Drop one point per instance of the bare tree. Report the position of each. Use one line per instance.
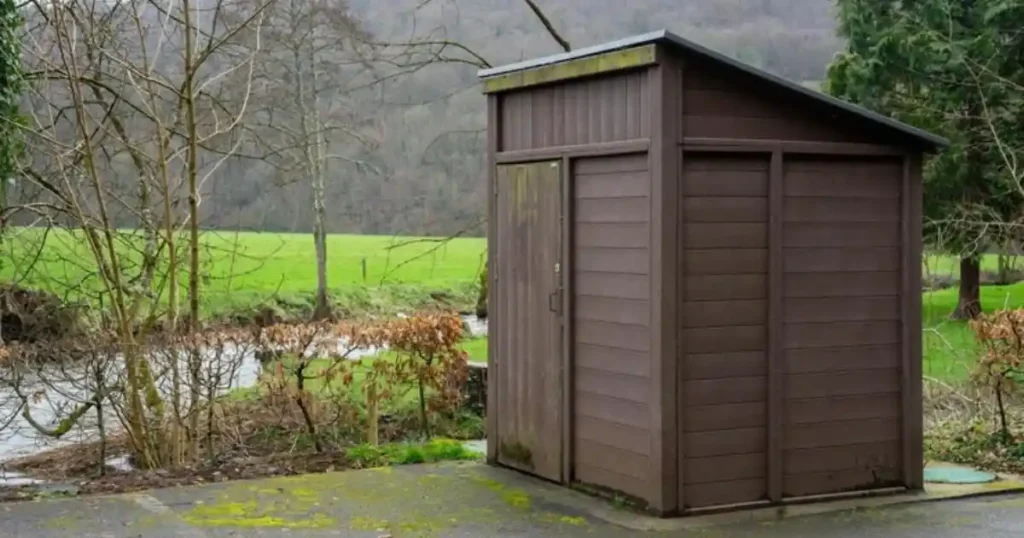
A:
(128, 120)
(307, 118)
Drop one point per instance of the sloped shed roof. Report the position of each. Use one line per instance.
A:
(666, 38)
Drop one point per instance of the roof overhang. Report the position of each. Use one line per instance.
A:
(639, 51)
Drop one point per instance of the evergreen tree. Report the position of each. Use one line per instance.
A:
(949, 66)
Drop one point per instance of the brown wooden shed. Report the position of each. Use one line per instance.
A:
(705, 280)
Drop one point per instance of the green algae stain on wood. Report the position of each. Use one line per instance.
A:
(582, 67)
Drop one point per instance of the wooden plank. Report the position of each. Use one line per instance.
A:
(725, 339)
(851, 358)
(612, 459)
(841, 260)
(724, 183)
(494, 328)
(616, 335)
(632, 439)
(725, 287)
(612, 184)
(720, 313)
(726, 235)
(665, 211)
(845, 209)
(841, 181)
(799, 310)
(725, 261)
(776, 336)
(725, 365)
(725, 416)
(725, 391)
(578, 68)
(911, 379)
(722, 493)
(613, 310)
(724, 442)
(733, 102)
(620, 235)
(622, 286)
(628, 388)
(826, 384)
(528, 377)
(594, 476)
(885, 455)
(729, 163)
(618, 361)
(842, 408)
(613, 210)
(841, 481)
(725, 468)
(610, 409)
(789, 128)
(566, 270)
(821, 285)
(849, 432)
(860, 234)
(612, 260)
(725, 209)
(620, 165)
(806, 147)
(841, 333)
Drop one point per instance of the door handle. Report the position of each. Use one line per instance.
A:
(555, 301)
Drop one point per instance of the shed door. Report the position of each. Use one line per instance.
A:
(528, 297)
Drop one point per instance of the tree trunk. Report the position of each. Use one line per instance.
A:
(969, 304)
(323, 305)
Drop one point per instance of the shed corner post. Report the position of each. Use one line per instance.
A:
(911, 367)
(494, 321)
(665, 160)
(776, 326)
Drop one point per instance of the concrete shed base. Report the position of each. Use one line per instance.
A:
(602, 509)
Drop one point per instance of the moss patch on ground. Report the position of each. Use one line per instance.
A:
(416, 501)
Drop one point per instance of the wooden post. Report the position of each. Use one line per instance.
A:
(372, 419)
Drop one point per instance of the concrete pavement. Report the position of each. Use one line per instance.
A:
(459, 500)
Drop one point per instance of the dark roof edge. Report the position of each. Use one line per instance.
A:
(664, 36)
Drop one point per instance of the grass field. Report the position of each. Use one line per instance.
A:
(245, 269)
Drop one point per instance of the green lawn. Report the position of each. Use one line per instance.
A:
(949, 347)
(247, 268)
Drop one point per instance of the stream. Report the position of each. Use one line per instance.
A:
(19, 439)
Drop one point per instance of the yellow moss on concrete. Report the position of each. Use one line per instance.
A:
(286, 506)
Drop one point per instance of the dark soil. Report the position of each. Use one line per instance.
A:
(76, 468)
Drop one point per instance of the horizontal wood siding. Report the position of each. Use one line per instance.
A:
(841, 325)
(611, 323)
(723, 328)
(721, 102)
(608, 108)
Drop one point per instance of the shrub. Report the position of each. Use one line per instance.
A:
(999, 369)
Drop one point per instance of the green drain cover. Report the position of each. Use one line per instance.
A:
(957, 475)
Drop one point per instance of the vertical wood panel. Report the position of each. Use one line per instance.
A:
(913, 425)
(566, 281)
(830, 234)
(615, 291)
(606, 108)
(775, 327)
(664, 157)
(527, 379)
(494, 129)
